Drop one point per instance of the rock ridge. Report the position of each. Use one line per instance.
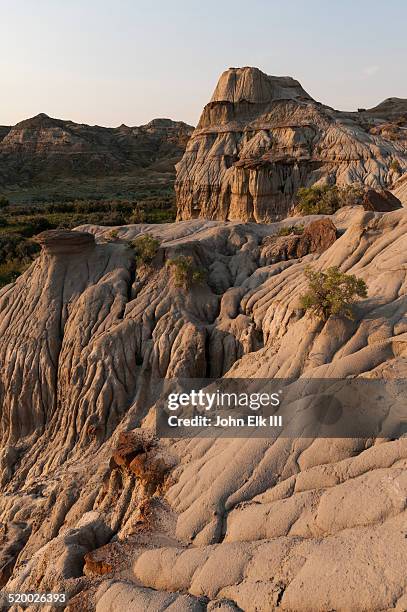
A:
(261, 138)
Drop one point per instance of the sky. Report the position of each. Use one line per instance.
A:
(110, 62)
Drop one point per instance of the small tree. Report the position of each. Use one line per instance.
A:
(184, 272)
(332, 292)
(146, 248)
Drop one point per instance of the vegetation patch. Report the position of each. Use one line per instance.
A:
(326, 200)
(184, 272)
(19, 222)
(291, 230)
(332, 292)
(146, 248)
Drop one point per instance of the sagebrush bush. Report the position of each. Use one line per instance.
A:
(184, 272)
(11, 270)
(113, 235)
(326, 200)
(295, 230)
(36, 225)
(146, 248)
(137, 216)
(15, 246)
(332, 292)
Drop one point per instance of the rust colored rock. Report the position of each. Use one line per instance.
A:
(59, 241)
(318, 236)
(150, 469)
(130, 444)
(381, 201)
(280, 248)
(96, 561)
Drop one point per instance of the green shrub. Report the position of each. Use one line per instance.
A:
(332, 292)
(137, 216)
(184, 273)
(4, 203)
(289, 230)
(326, 200)
(146, 248)
(15, 246)
(36, 225)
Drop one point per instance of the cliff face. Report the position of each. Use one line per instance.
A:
(39, 149)
(260, 138)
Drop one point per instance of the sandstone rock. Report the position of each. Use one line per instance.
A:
(253, 523)
(260, 138)
(129, 445)
(99, 562)
(59, 242)
(151, 469)
(317, 237)
(400, 189)
(380, 201)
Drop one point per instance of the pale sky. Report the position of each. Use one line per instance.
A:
(109, 62)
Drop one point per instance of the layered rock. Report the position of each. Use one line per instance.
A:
(260, 138)
(40, 149)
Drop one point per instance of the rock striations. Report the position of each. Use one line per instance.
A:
(40, 149)
(260, 138)
(94, 505)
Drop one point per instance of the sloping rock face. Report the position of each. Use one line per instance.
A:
(400, 190)
(260, 138)
(93, 504)
(41, 148)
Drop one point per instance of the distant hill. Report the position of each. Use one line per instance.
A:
(43, 156)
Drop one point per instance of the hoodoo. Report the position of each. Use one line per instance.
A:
(261, 138)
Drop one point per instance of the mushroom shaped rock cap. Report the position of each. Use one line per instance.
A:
(61, 241)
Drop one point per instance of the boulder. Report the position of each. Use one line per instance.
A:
(380, 201)
(317, 237)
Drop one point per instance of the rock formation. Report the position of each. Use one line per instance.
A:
(42, 149)
(94, 504)
(260, 138)
(380, 201)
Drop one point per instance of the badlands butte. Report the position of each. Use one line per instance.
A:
(92, 502)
